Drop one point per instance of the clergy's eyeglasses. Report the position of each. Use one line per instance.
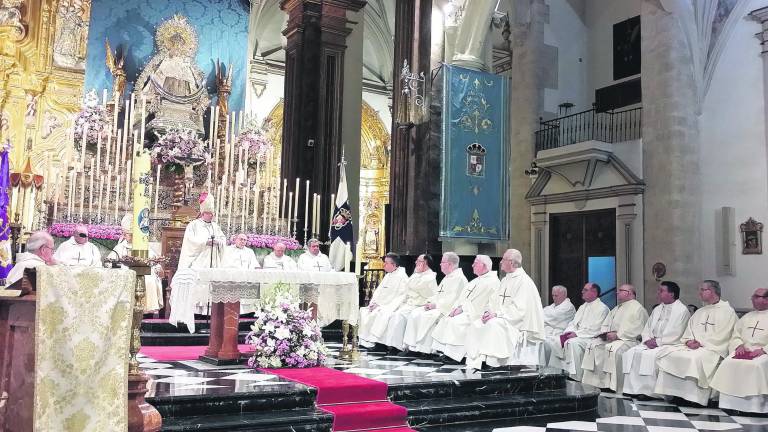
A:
(758, 296)
(82, 235)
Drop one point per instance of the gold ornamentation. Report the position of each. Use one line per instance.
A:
(11, 25)
(115, 64)
(475, 226)
(71, 42)
(176, 37)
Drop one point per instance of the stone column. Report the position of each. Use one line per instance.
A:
(761, 15)
(414, 160)
(672, 202)
(526, 102)
(316, 33)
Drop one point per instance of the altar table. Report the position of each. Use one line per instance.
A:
(335, 295)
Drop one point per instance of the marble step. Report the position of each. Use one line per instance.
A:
(163, 326)
(306, 420)
(160, 338)
(575, 400)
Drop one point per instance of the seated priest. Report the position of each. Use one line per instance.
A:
(450, 334)
(203, 243)
(742, 378)
(153, 294)
(568, 348)
(556, 318)
(620, 331)
(313, 259)
(420, 286)
(78, 251)
(665, 327)
(238, 255)
(512, 326)
(278, 260)
(422, 320)
(387, 297)
(39, 252)
(687, 368)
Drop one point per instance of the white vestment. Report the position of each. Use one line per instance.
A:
(319, 262)
(419, 288)
(686, 373)
(153, 284)
(24, 260)
(195, 250)
(743, 384)
(513, 336)
(72, 254)
(282, 263)
(666, 325)
(557, 317)
(586, 324)
(602, 364)
(421, 322)
(450, 334)
(387, 297)
(242, 258)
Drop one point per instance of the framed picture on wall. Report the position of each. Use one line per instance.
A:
(626, 48)
(751, 237)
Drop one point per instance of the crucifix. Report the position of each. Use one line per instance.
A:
(441, 289)
(471, 291)
(319, 267)
(504, 296)
(755, 328)
(78, 258)
(706, 323)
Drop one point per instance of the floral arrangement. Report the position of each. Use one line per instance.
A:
(178, 148)
(91, 120)
(284, 335)
(105, 232)
(267, 241)
(254, 141)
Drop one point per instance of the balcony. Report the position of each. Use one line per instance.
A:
(609, 126)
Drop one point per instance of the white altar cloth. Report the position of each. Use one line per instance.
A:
(335, 294)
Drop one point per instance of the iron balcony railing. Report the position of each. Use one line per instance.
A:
(609, 126)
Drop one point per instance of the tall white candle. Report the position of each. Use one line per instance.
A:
(143, 120)
(118, 145)
(108, 191)
(98, 153)
(306, 206)
(296, 198)
(117, 195)
(128, 178)
(264, 212)
(330, 218)
(101, 197)
(282, 198)
(358, 257)
(115, 109)
(82, 193)
(126, 129)
(57, 196)
(104, 99)
(90, 190)
(108, 147)
(290, 208)
(82, 147)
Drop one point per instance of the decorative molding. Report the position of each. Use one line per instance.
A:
(588, 194)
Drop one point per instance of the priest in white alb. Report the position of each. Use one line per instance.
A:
(387, 297)
(686, 369)
(203, 244)
(742, 378)
(422, 320)
(278, 260)
(78, 251)
(602, 363)
(556, 318)
(39, 252)
(450, 334)
(313, 259)
(665, 327)
(568, 348)
(238, 255)
(512, 326)
(153, 284)
(420, 287)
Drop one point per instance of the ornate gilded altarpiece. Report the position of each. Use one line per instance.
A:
(42, 65)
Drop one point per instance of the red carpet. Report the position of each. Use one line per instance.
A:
(167, 353)
(355, 402)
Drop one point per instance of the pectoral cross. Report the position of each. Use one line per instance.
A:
(755, 328)
(706, 323)
(610, 350)
(280, 264)
(442, 289)
(241, 260)
(78, 258)
(471, 291)
(504, 296)
(319, 267)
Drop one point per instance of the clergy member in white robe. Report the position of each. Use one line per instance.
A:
(742, 378)
(278, 260)
(421, 286)
(568, 348)
(203, 243)
(450, 334)
(686, 369)
(153, 285)
(556, 318)
(39, 252)
(78, 251)
(665, 327)
(313, 259)
(387, 297)
(422, 320)
(238, 255)
(512, 327)
(602, 364)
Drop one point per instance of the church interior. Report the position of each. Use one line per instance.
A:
(383, 215)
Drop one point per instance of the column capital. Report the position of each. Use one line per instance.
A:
(761, 15)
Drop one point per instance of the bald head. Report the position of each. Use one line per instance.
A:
(760, 299)
(279, 249)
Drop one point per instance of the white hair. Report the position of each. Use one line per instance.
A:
(37, 240)
(452, 258)
(560, 288)
(515, 256)
(485, 259)
(312, 241)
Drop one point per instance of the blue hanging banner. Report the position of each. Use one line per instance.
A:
(474, 160)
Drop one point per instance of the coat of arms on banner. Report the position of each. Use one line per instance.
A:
(476, 160)
(341, 218)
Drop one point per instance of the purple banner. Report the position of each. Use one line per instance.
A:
(5, 228)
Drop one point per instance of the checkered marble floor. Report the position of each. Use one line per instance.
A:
(622, 414)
